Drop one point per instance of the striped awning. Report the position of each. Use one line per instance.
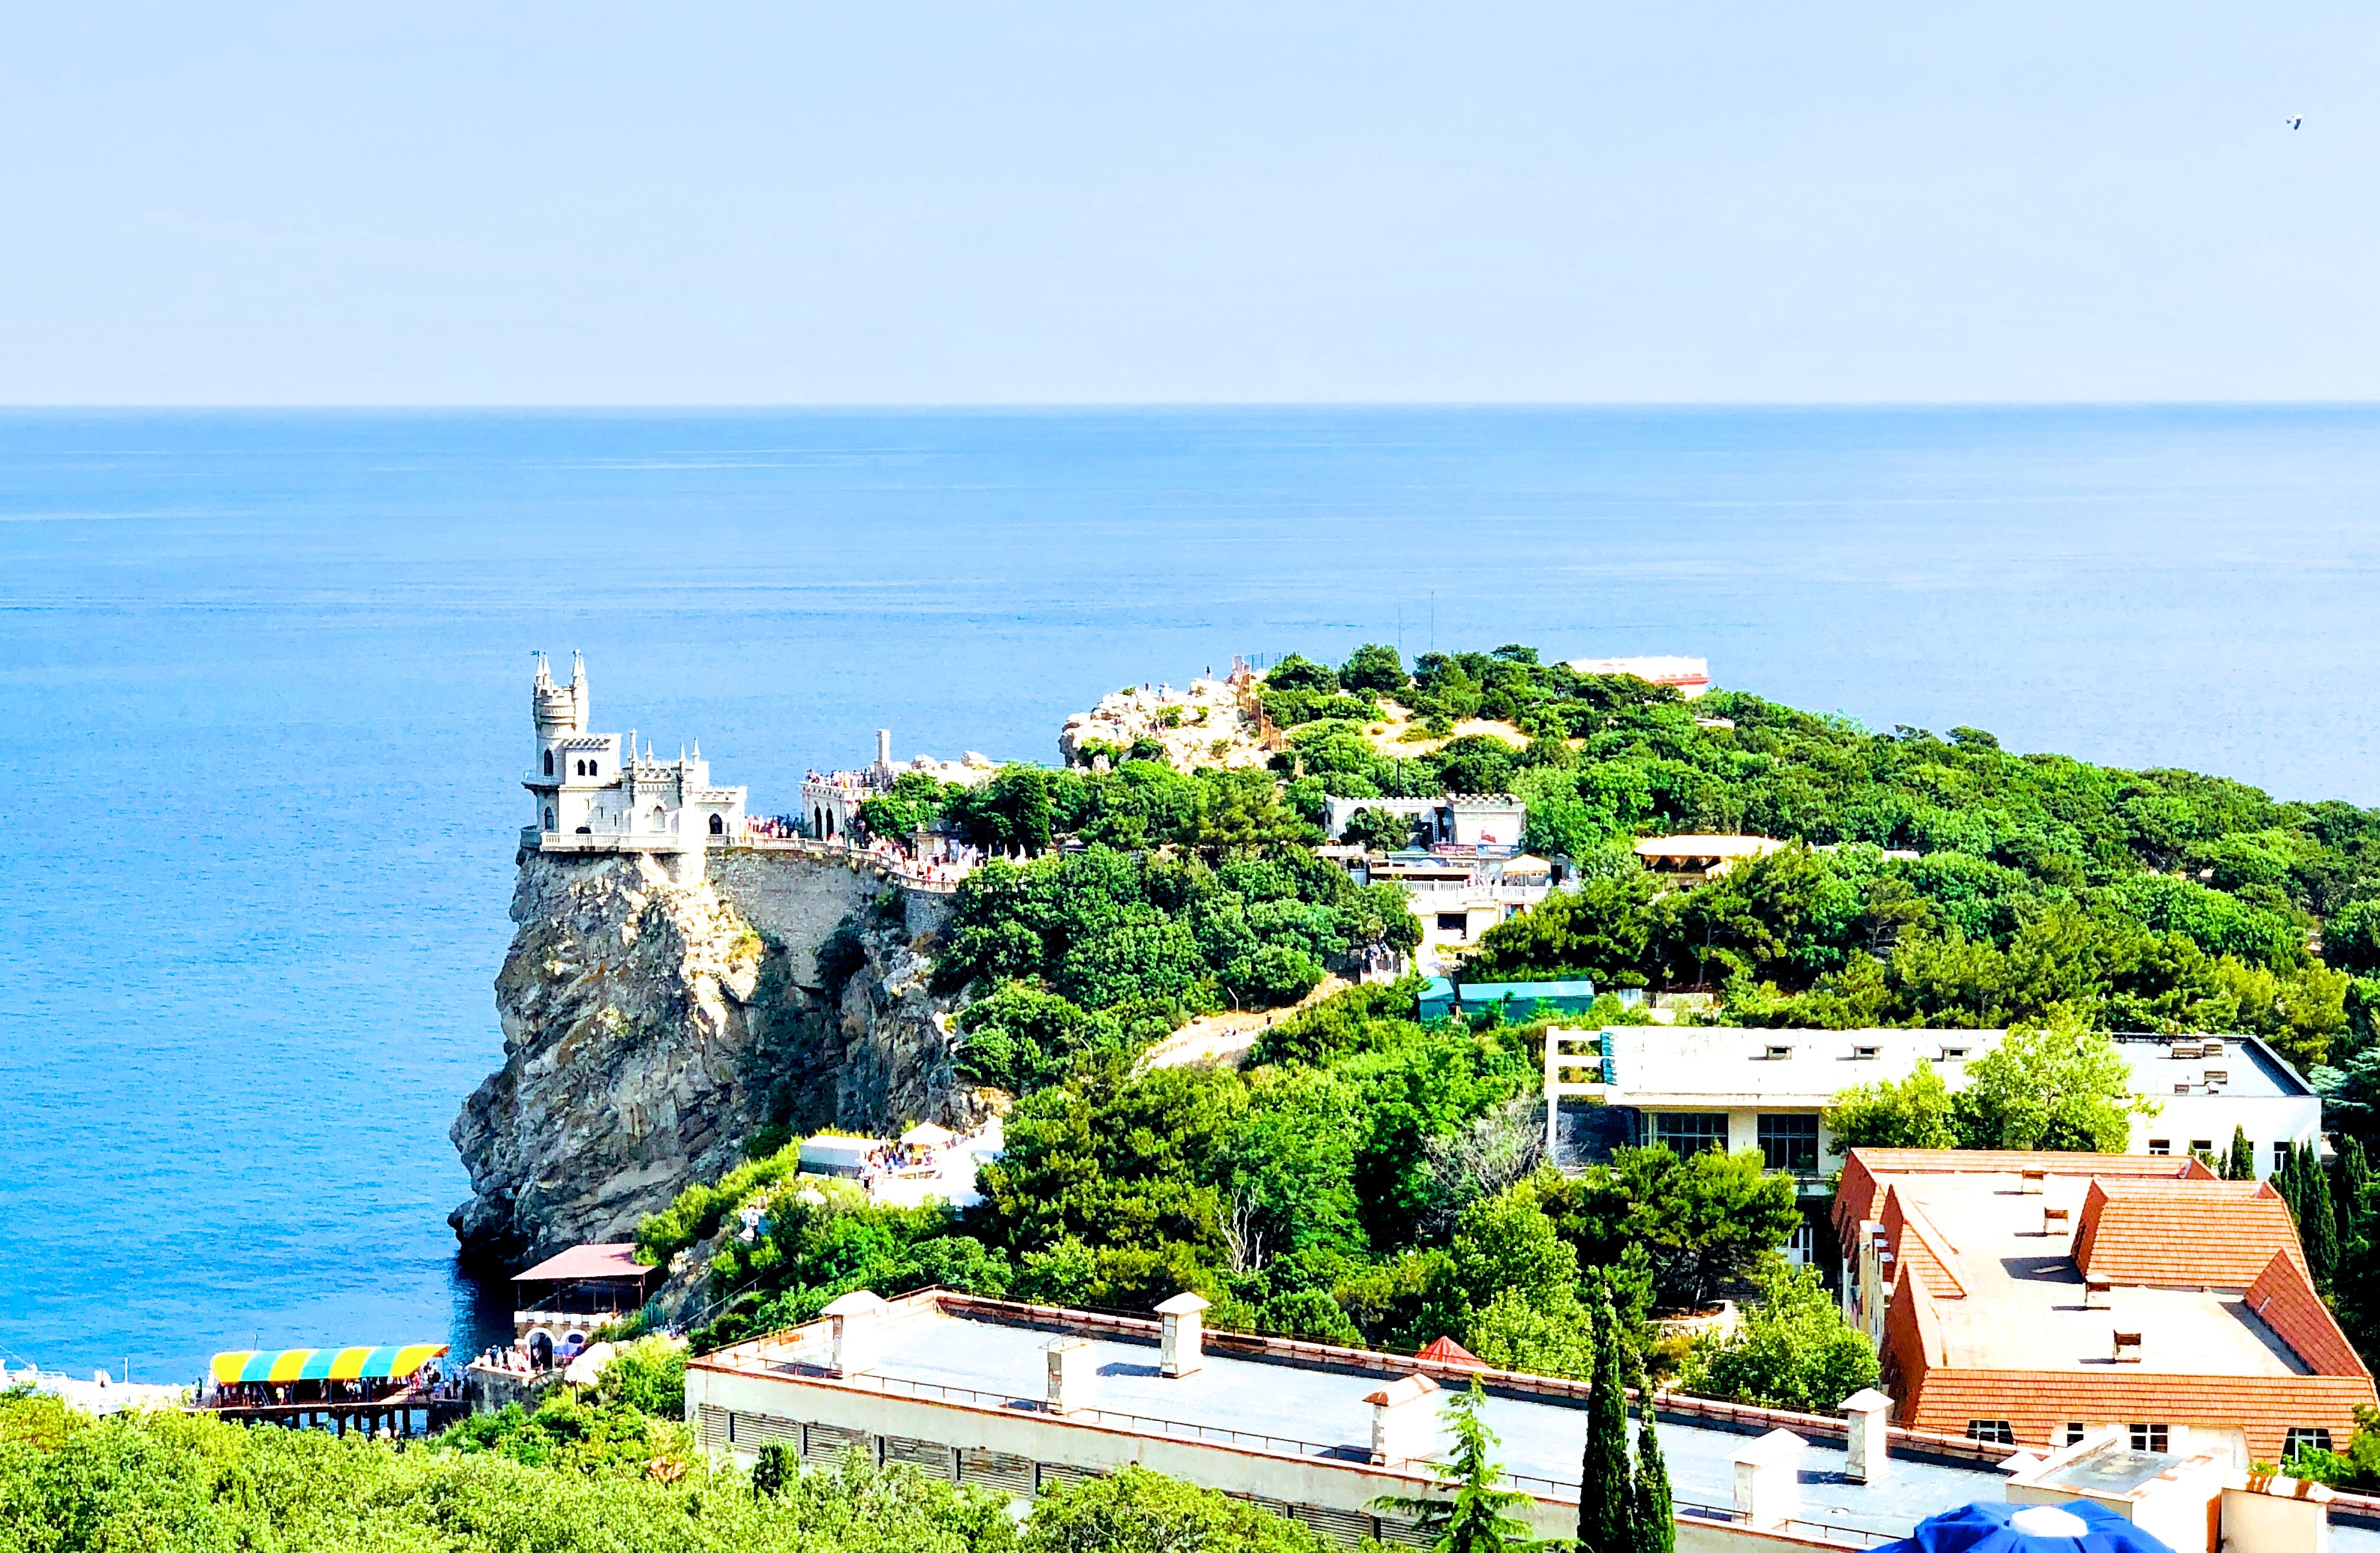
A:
(324, 1364)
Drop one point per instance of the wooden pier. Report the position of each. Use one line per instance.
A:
(397, 1418)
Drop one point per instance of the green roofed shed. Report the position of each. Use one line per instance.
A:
(1441, 997)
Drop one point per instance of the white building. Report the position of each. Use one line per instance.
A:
(831, 800)
(1696, 1087)
(1494, 819)
(583, 784)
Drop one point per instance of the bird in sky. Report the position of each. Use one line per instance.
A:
(2293, 123)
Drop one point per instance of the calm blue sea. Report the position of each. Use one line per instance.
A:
(264, 678)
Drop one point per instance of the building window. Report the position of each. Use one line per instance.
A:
(2160, 1145)
(1803, 1248)
(1453, 922)
(2150, 1437)
(2280, 1157)
(718, 826)
(1688, 1133)
(2074, 1434)
(2202, 1145)
(1991, 1431)
(548, 819)
(2304, 1439)
(1789, 1143)
(549, 762)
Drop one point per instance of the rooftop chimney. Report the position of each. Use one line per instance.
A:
(1404, 1429)
(1866, 1456)
(1069, 1373)
(885, 750)
(853, 1326)
(1180, 1354)
(1768, 1480)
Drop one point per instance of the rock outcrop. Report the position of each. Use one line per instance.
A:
(653, 1026)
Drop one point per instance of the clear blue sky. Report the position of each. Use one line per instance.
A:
(1051, 202)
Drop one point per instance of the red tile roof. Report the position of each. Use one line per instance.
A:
(2207, 1234)
(1862, 1195)
(2287, 1304)
(1446, 1350)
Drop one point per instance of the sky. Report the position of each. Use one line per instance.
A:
(1061, 203)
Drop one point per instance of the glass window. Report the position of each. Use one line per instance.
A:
(1789, 1143)
(2305, 1439)
(2150, 1436)
(1991, 1431)
(2202, 1145)
(1686, 1133)
(2280, 1156)
(1453, 922)
(2074, 1434)
(2160, 1145)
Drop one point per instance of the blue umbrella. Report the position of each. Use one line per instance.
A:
(2080, 1528)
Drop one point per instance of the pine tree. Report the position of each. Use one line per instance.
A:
(1655, 1516)
(1605, 1493)
(2319, 1228)
(2242, 1163)
(1479, 1517)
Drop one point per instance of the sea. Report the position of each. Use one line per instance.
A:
(264, 706)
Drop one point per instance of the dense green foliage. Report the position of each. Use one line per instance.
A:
(1794, 1351)
(573, 1478)
(1097, 951)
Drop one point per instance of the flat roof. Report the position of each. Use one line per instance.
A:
(1684, 1066)
(600, 1259)
(927, 1346)
(2024, 1308)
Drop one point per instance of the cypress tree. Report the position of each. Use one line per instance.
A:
(1655, 1516)
(1606, 1494)
(2354, 1176)
(2320, 1228)
(2285, 1182)
(2242, 1164)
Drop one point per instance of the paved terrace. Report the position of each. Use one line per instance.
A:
(2023, 1309)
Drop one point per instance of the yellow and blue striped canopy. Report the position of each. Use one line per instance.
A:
(324, 1364)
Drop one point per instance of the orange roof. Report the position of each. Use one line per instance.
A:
(2287, 1303)
(2215, 1234)
(1446, 1350)
(1861, 1196)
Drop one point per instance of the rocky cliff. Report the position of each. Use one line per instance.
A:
(652, 1025)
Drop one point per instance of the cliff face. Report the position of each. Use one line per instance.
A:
(652, 1025)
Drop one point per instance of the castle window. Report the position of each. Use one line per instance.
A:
(549, 769)
(718, 826)
(548, 819)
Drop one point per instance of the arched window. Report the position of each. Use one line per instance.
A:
(657, 818)
(549, 769)
(548, 819)
(717, 825)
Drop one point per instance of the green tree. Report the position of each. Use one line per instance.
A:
(1793, 1351)
(1606, 1495)
(1478, 1516)
(1914, 1113)
(1379, 830)
(1243, 812)
(648, 1375)
(1657, 1515)
(2240, 1164)
(775, 1469)
(1140, 1511)
(2319, 1223)
(2056, 1086)
(1376, 668)
(1296, 672)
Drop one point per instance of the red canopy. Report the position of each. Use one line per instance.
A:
(615, 1259)
(1446, 1350)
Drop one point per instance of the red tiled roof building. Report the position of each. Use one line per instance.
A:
(2028, 1297)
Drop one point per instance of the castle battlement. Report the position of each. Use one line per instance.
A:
(599, 791)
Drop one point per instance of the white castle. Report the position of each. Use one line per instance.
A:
(580, 786)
